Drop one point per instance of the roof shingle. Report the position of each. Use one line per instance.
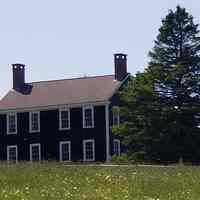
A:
(62, 92)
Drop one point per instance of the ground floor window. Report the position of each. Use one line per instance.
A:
(88, 150)
(12, 156)
(116, 147)
(65, 151)
(35, 152)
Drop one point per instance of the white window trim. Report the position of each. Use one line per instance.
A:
(8, 155)
(84, 150)
(83, 114)
(7, 119)
(31, 151)
(60, 121)
(118, 118)
(60, 151)
(119, 145)
(30, 122)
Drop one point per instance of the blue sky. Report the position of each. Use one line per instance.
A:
(58, 39)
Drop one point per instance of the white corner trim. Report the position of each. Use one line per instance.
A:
(60, 121)
(60, 150)
(7, 123)
(30, 121)
(83, 114)
(31, 151)
(84, 150)
(107, 132)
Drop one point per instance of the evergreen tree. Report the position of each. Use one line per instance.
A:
(162, 105)
(175, 59)
(175, 64)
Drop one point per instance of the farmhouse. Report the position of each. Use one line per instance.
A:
(66, 120)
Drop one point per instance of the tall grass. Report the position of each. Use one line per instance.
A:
(54, 181)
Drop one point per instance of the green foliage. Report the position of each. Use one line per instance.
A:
(162, 105)
(122, 159)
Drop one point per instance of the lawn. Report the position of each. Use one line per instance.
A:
(54, 181)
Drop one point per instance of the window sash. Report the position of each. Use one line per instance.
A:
(88, 117)
(12, 123)
(64, 119)
(34, 122)
(89, 150)
(65, 151)
(116, 147)
(12, 154)
(35, 152)
(116, 118)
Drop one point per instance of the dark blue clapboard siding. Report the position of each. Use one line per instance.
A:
(50, 136)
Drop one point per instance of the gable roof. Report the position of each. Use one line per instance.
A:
(62, 92)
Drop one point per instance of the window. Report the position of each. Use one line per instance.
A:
(12, 123)
(35, 152)
(116, 116)
(88, 117)
(64, 119)
(12, 156)
(34, 122)
(88, 150)
(116, 147)
(65, 151)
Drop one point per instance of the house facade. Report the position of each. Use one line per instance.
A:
(66, 120)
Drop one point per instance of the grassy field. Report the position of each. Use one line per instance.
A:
(56, 182)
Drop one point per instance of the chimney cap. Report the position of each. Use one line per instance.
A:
(18, 64)
(120, 54)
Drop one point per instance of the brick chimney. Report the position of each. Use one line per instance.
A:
(120, 66)
(18, 77)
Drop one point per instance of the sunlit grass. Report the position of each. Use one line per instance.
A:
(54, 181)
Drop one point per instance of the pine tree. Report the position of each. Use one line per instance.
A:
(175, 59)
(175, 63)
(162, 105)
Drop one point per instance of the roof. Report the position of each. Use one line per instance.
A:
(62, 92)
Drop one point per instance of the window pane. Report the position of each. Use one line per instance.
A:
(12, 154)
(116, 119)
(89, 151)
(65, 151)
(35, 153)
(34, 121)
(116, 147)
(64, 119)
(12, 123)
(88, 117)
(64, 114)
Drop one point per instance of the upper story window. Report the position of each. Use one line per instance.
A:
(34, 121)
(12, 123)
(88, 117)
(64, 118)
(116, 116)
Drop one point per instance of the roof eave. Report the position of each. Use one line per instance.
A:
(119, 86)
(53, 107)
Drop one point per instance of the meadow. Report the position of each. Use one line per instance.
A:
(53, 181)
